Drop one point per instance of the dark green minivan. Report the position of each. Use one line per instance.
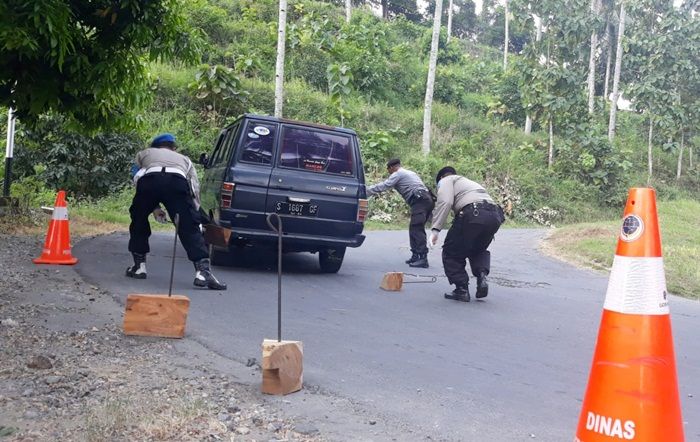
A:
(309, 174)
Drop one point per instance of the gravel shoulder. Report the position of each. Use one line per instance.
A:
(68, 373)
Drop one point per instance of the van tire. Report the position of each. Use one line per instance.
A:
(331, 260)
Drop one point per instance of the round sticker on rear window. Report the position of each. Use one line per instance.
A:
(261, 130)
(252, 135)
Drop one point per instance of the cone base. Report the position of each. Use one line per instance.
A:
(42, 260)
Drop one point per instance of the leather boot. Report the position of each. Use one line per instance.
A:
(204, 278)
(460, 293)
(482, 286)
(138, 270)
(413, 258)
(421, 262)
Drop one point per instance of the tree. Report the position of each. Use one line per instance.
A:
(616, 75)
(595, 7)
(279, 65)
(450, 9)
(506, 38)
(348, 10)
(432, 64)
(87, 59)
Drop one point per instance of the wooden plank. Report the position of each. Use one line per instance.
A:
(216, 235)
(282, 366)
(392, 281)
(156, 315)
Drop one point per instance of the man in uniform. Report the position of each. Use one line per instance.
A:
(416, 194)
(169, 178)
(476, 221)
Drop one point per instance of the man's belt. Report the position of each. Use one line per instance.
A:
(160, 169)
(478, 205)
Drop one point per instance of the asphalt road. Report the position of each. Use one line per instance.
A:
(512, 367)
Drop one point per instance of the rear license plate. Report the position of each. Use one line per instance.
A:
(296, 209)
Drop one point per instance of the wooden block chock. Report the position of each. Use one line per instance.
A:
(156, 315)
(392, 281)
(282, 366)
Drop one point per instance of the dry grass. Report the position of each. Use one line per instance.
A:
(146, 419)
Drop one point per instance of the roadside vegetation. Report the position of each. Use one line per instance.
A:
(535, 133)
(593, 245)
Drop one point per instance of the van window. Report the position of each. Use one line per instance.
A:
(223, 151)
(316, 151)
(258, 143)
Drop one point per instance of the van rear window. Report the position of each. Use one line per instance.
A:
(316, 151)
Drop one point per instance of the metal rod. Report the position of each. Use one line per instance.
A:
(172, 266)
(9, 149)
(433, 278)
(278, 229)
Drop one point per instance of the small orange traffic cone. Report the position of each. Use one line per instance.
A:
(57, 245)
(632, 390)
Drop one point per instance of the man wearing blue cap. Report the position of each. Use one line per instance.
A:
(171, 179)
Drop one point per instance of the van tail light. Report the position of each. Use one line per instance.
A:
(227, 194)
(362, 210)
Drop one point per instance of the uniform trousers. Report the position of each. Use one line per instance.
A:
(472, 230)
(173, 191)
(421, 207)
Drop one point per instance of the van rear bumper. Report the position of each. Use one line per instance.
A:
(298, 241)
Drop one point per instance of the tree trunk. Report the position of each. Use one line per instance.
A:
(595, 4)
(449, 21)
(348, 10)
(506, 39)
(279, 65)
(608, 60)
(616, 76)
(679, 169)
(538, 37)
(690, 157)
(432, 65)
(550, 154)
(385, 9)
(650, 162)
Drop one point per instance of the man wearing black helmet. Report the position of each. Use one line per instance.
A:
(169, 178)
(476, 220)
(417, 196)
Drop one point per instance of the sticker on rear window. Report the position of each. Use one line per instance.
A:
(252, 135)
(261, 130)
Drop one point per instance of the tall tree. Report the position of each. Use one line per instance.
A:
(450, 9)
(595, 7)
(348, 10)
(616, 76)
(87, 60)
(432, 65)
(506, 38)
(279, 65)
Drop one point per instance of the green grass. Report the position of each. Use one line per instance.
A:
(593, 245)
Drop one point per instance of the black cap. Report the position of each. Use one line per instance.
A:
(393, 162)
(444, 171)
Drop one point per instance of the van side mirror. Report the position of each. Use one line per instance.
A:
(203, 159)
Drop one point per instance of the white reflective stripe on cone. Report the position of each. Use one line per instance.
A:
(60, 213)
(637, 286)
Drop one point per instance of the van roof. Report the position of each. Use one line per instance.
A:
(297, 122)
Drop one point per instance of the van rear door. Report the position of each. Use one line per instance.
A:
(249, 173)
(316, 182)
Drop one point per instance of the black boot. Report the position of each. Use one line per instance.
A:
(138, 270)
(413, 258)
(460, 293)
(204, 278)
(421, 262)
(482, 287)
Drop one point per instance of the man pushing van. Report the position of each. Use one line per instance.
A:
(171, 179)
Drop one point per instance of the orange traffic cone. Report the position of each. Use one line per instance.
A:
(57, 245)
(633, 389)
